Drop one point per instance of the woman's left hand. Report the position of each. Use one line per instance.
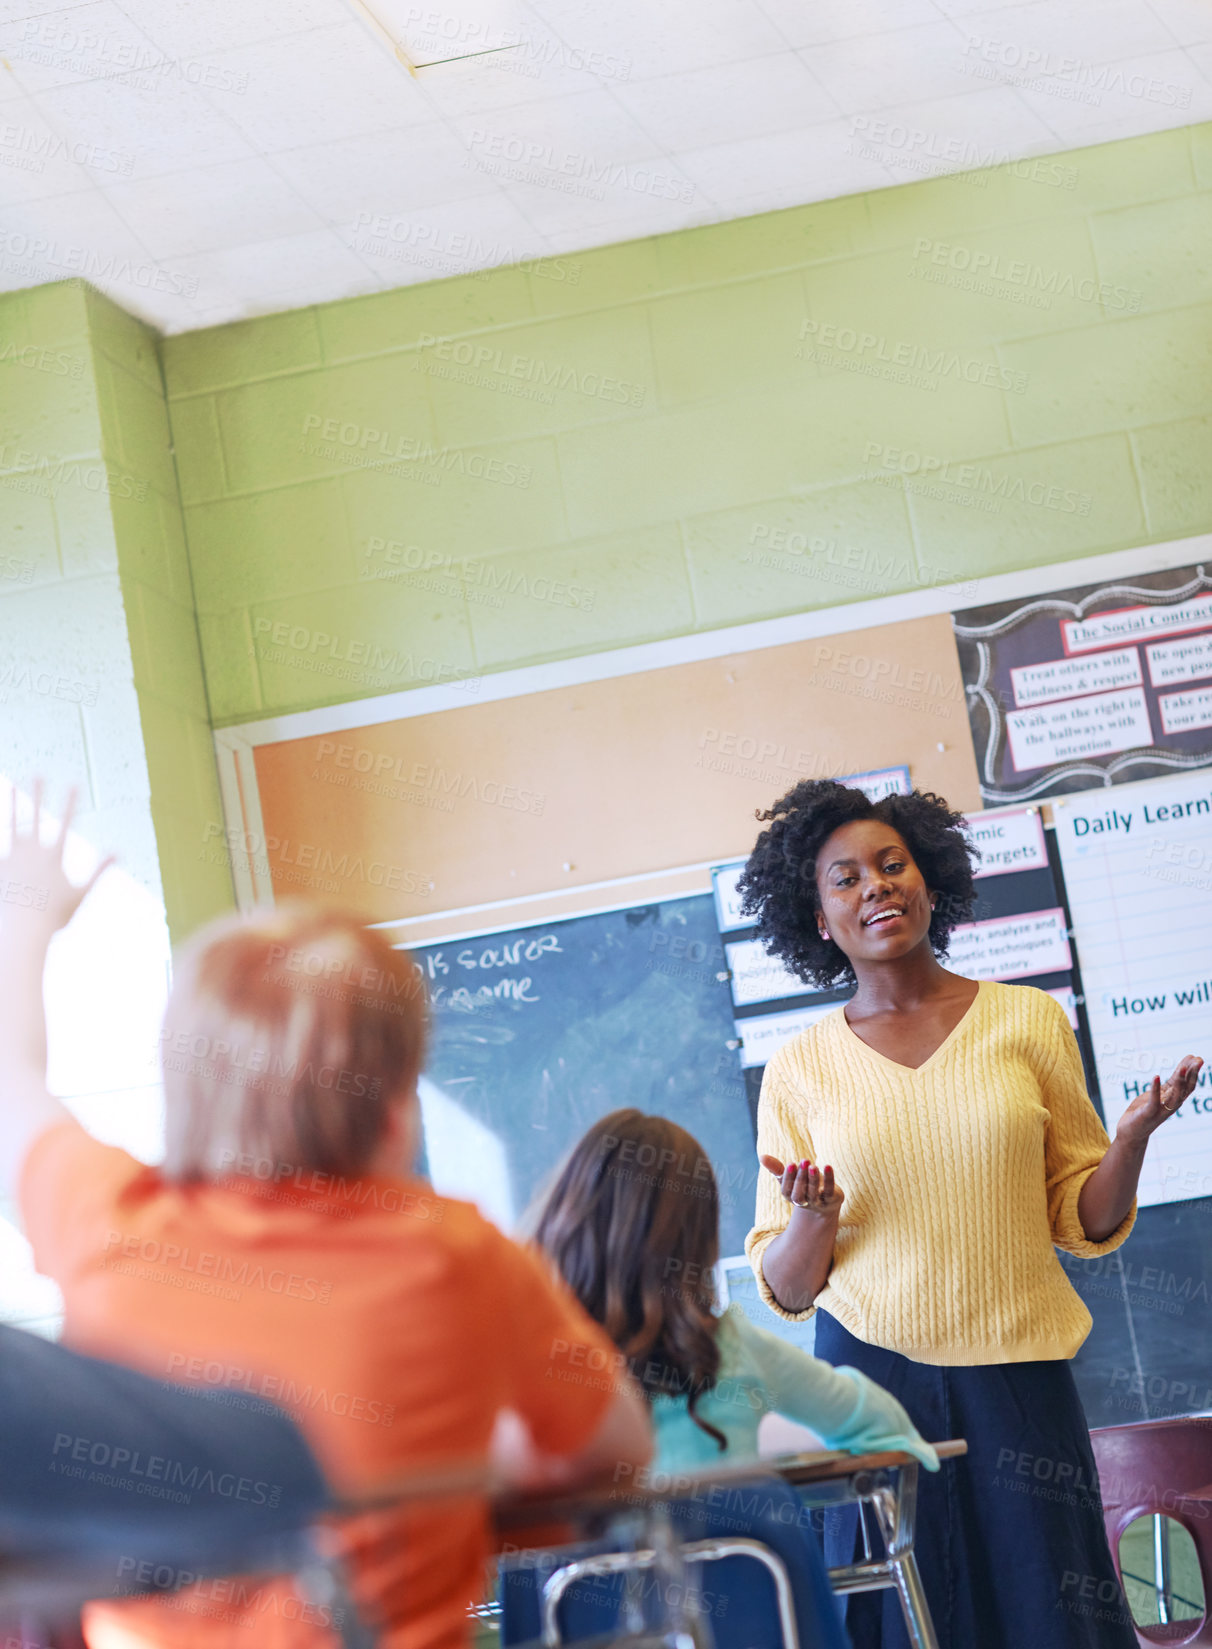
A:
(1158, 1101)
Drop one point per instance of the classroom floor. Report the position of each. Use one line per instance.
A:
(1136, 1564)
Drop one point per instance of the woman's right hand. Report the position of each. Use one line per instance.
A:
(805, 1186)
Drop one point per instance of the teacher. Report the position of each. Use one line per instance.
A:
(929, 1145)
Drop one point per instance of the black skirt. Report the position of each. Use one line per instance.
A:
(1010, 1538)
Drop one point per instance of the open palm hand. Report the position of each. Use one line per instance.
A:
(1158, 1102)
(806, 1186)
(35, 884)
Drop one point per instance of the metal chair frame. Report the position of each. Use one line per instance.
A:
(693, 1551)
(891, 1492)
(886, 1482)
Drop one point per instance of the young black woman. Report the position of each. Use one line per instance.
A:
(929, 1145)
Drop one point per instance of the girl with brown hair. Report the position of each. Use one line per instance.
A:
(632, 1225)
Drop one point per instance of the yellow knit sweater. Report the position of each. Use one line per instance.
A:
(959, 1179)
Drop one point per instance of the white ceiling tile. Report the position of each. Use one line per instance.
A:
(628, 226)
(164, 127)
(951, 134)
(1102, 101)
(36, 161)
(544, 132)
(389, 171)
(968, 8)
(1189, 21)
(639, 193)
(318, 87)
(169, 312)
(441, 28)
(728, 102)
(482, 53)
(673, 37)
(81, 234)
(494, 81)
(187, 30)
(879, 70)
(1034, 38)
(540, 66)
(804, 25)
(211, 207)
(274, 274)
(431, 242)
(582, 157)
(822, 159)
(90, 42)
(15, 11)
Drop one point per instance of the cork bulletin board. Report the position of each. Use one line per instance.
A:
(544, 798)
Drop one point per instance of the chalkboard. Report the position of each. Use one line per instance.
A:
(538, 1032)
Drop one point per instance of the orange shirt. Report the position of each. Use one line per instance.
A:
(391, 1323)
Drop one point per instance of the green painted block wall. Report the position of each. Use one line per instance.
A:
(70, 710)
(915, 386)
(100, 664)
(162, 627)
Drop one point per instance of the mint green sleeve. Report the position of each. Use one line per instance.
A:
(845, 1408)
(795, 1384)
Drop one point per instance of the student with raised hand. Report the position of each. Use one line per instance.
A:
(928, 1143)
(631, 1223)
(285, 1250)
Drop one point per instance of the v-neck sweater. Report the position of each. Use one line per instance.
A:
(961, 1179)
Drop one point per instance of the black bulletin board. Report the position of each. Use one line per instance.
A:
(1109, 715)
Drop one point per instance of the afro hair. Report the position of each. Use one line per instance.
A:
(778, 883)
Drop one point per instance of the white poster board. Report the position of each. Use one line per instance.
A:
(764, 1034)
(1137, 861)
(1007, 839)
(1011, 947)
(759, 977)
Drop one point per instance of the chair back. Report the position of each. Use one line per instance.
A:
(101, 1464)
(1161, 1468)
(740, 1593)
(113, 1483)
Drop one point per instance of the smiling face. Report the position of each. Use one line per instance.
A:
(875, 905)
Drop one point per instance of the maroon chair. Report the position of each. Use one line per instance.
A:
(1161, 1467)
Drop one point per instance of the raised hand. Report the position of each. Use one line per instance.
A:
(807, 1187)
(1158, 1101)
(32, 878)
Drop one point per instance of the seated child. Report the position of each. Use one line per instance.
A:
(285, 1252)
(632, 1225)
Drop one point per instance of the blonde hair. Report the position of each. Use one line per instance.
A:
(289, 1035)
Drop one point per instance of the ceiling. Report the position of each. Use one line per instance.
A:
(208, 160)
